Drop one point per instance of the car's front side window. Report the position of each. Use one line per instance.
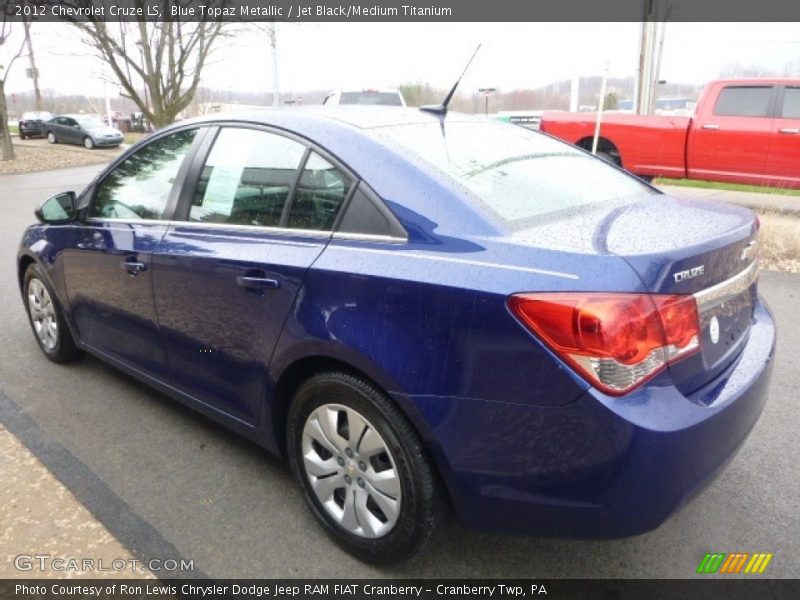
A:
(247, 178)
(139, 188)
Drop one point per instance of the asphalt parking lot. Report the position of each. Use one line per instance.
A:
(168, 483)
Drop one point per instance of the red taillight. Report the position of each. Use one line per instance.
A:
(617, 341)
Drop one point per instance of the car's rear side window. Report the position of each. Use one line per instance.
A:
(139, 188)
(321, 191)
(364, 217)
(743, 101)
(516, 173)
(791, 103)
(247, 178)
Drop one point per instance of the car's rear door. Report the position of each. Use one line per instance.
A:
(730, 139)
(57, 127)
(108, 266)
(70, 131)
(230, 266)
(783, 163)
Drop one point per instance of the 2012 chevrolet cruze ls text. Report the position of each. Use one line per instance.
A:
(421, 312)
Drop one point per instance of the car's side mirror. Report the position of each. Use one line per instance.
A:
(57, 209)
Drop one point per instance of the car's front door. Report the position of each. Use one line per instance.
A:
(226, 277)
(108, 267)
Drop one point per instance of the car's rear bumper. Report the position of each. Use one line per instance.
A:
(599, 467)
(31, 129)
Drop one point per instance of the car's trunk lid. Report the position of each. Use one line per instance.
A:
(677, 246)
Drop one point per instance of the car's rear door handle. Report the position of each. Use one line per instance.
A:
(132, 266)
(789, 130)
(262, 283)
(713, 126)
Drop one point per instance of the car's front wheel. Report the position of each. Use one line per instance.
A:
(363, 470)
(46, 318)
(88, 143)
(51, 137)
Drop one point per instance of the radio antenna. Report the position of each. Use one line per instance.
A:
(441, 109)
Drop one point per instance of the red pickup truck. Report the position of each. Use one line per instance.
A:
(743, 131)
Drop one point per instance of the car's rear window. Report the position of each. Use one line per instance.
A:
(373, 98)
(516, 173)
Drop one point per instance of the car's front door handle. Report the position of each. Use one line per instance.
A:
(258, 282)
(132, 266)
(712, 126)
(790, 130)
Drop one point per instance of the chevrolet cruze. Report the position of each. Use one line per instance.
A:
(424, 313)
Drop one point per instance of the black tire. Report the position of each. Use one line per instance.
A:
(51, 137)
(422, 506)
(88, 143)
(65, 350)
(21, 135)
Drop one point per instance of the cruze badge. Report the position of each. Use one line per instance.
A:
(689, 273)
(713, 330)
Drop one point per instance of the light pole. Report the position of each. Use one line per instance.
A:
(486, 93)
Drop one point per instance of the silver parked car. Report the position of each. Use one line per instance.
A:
(81, 129)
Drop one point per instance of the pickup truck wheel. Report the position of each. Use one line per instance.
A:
(607, 157)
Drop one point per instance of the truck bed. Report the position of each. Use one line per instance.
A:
(646, 145)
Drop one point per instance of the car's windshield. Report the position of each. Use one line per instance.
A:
(374, 98)
(517, 174)
(89, 122)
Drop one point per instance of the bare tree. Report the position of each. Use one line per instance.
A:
(5, 134)
(157, 64)
(26, 22)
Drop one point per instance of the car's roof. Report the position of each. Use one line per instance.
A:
(759, 81)
(360, 117)
(366, 90)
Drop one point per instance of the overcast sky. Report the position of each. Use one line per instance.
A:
(514, 55)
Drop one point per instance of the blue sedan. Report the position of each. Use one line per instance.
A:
(423, 313)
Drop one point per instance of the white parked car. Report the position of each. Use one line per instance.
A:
(371, 97)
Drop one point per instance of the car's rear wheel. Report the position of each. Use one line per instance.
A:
(21, 135)
(51, 137)
(363, 470)
(46, 319)
(88, 143)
